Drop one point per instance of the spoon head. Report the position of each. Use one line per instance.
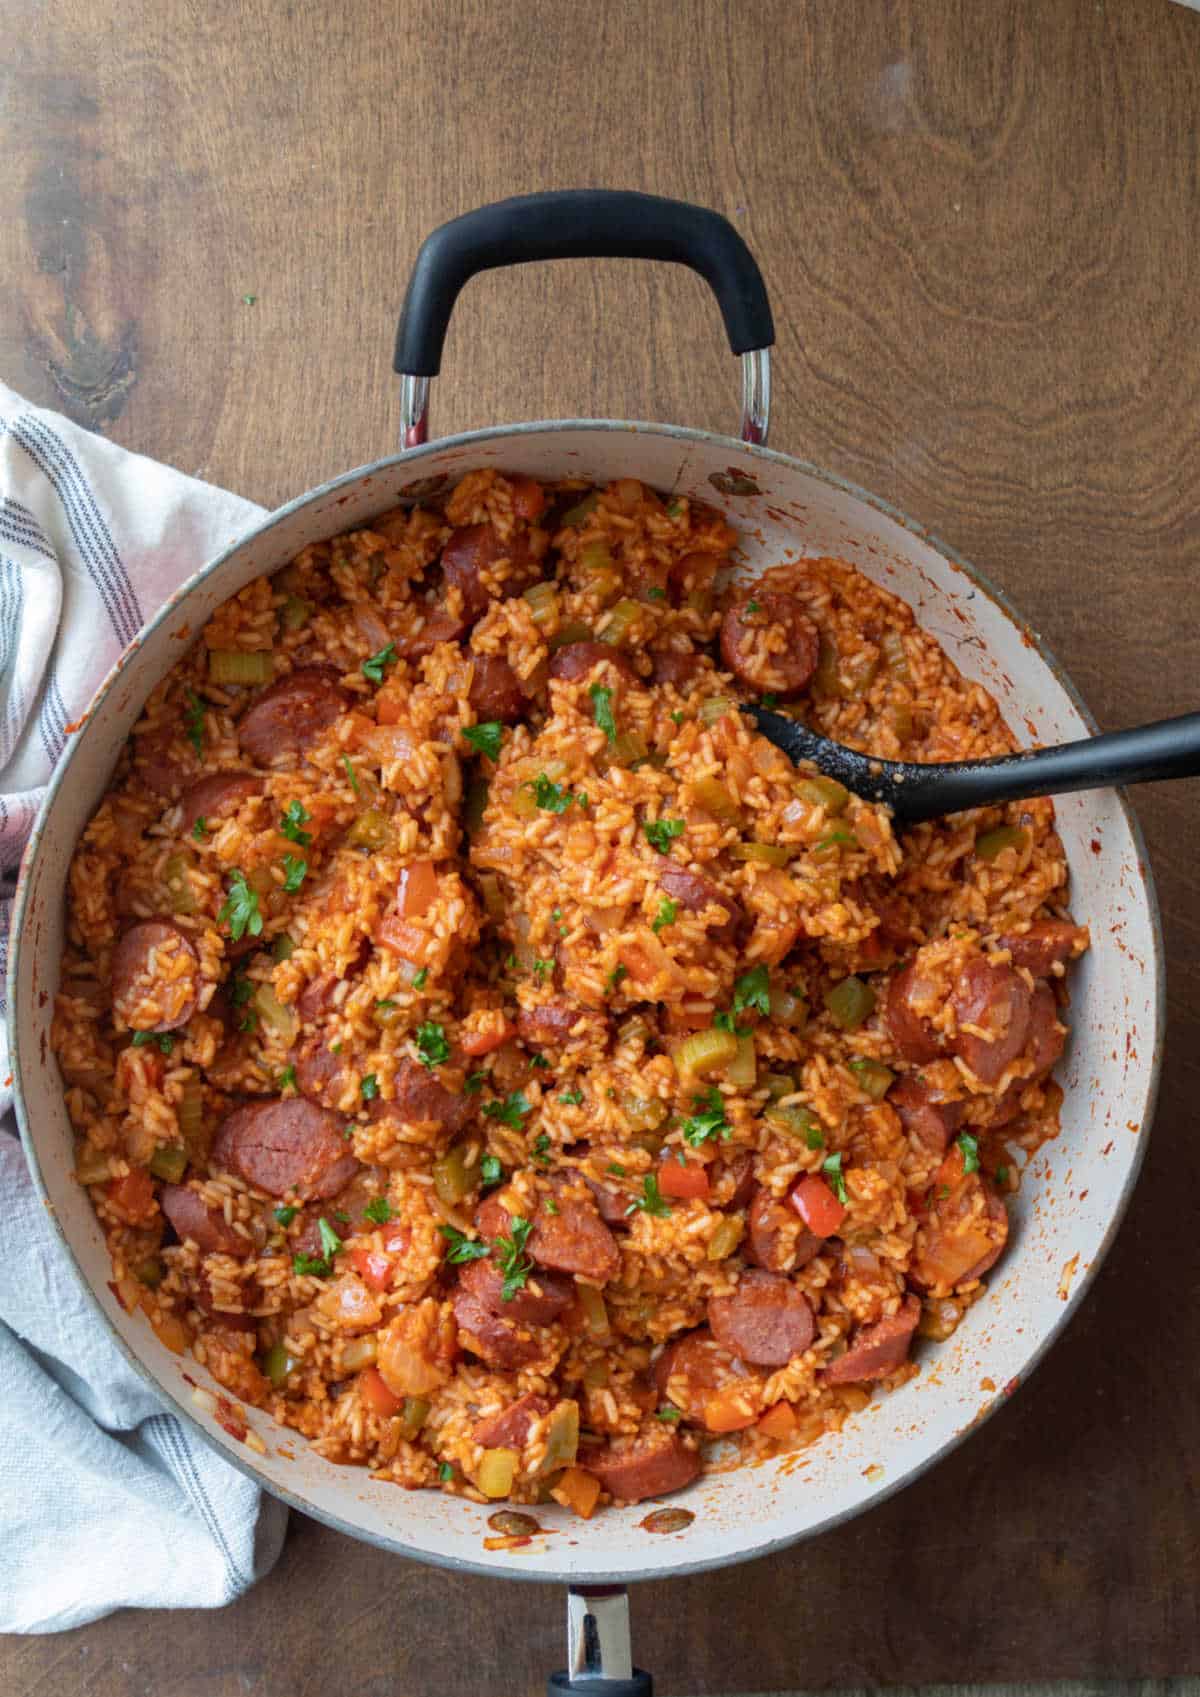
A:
(872, 779)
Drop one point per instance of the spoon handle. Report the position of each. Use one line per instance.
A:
(1168, 749)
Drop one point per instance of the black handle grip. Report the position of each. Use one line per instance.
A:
(562, 1685)
(579, 224)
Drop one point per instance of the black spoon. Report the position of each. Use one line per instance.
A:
(1168, 749)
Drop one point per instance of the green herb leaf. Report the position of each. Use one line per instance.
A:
(315, 1266)
(769, 701)
(970, 1151)
(515, 1265)
(572, 1098)
(666, 915)
(674, 509)
(753, 607)
(1002, 1177)
(539, 1061)
(725, 1021)
(654, 593)
(550, 1205)
(490, 1170)
(486, 738)
(831, 1166)
(286, 1214)
(378, 1210)
(753, 990)
(677, 716)
(432, 1046)
(159, 1039)
(462, 1248)
(295, 869)
(350, 773)
(815, 1137)
(708, 1120)
(194, 719)
(387, 1002)
(330, 1241)
(445, 1472)
(541, 1150)
(542, 970)
(286, 1079)
(668, 1413)
(661, 833)
(200, 829)
(651, 1200)
(372, 669)
(369, 1086)
(475, 1083)
(240, 911)
(615, 977)
(602, 708)
(549, 796)
(291, 821)
(421, 979)
(617, 1170)
(511, 1111)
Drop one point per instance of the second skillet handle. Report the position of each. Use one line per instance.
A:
(582, 224)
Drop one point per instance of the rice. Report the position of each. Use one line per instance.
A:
(460, 1019)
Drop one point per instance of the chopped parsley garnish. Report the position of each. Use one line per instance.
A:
(240, 911)
(485, 738)
(550, 1205)
(490, 1170)
(511, 1111)
(286, 1214)
(372, 669)
(200, 829)
(295, 869)
(668, 1413)
(768, 701)
(661, 833)
(1002, 1176)
(540, 1062)
(602, 708)
(541, 1150)
(677, 716)
(432, 1046)
(421, 979)
(708, 1120)
(674, 509)
(654, 593)
(666, 915)
(194, 719)
(160, 1039)
(240, 991)
(549, 796)
(753, 990)
(475, 1083)
(814, 1137)
(753, 607)
(386, 1004)
(969, 1146)
(616, 975)
(296, 816)
(725, 1022)
(330, 1241)
(651, 1200)
(369, 1086)
(351, 774)
(445, 1472)
(616, 1169)
(572, 1098)
(286, 1079)
(462, 1248)
(378, 1210)
(315, 1266)
(542, 970)
(515, 1265)
(831, 1166)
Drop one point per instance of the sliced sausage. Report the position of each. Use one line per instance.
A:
(205, 1225)
(760, 658)
(510, 1428)
(776, 1237)
(691, 1368)
(610, 1204)
(877, 1350)
(421, 1098)
(229, 1320)
(551, 1024)
(741, 1170)
(924, 1114)
(155, 977)
(476, 549)
(1046, 944)
(291, 714)
(575, 1240)
(286, 1145)
(541, 1299)
(694, 892)
(1047, 1037)
(650, 1465)
(162, 760)
(766, 1320)
(909, 1028)
(578, 659)
(215, 796)
(437, 626)
(995, 1000)
(963, 1234)
(495, 691)
(672, 667)
(318, 995)
(500, 1342)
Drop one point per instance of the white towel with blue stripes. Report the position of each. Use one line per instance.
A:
(106, 1500)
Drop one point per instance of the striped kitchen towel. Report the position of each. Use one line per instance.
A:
(106, 1500)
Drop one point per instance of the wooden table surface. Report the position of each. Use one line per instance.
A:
(979, 223)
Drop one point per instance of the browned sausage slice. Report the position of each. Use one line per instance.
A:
(285, 1145)
(695, 892)
(577, 659)
(908, 1025)
(672, 667)
(155, 977)
(215, 796)
(765, 1321)
(499, 1342)
(511, 1427)
(553, 1023)
(650, 1465)
(575, 1240)
(877, 1350)
(541, 1299)
(1047, 1037)
(995, 1001)
(495, 691)
(610, 1204)
(229, 1320)
(691, 1368)
(421, 1097)
(769, 642)
(964, 1233)
(163, 760)
(291, 714)
(476, 549)
(776, 1237)
(1047, 943)
(923, 1114)
(206, 1226)
(741, 1170)
(437, 626)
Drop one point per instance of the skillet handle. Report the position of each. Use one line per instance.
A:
(599, 1662)
(583, 224)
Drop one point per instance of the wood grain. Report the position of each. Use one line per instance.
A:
(978, 221)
